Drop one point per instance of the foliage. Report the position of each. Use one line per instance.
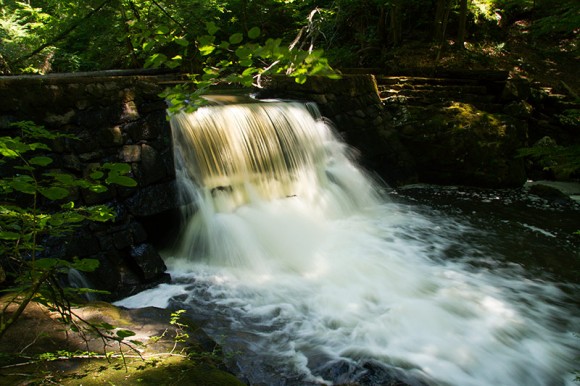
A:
(236, 61)
(38, 204)
(49, 35)
(562, 160)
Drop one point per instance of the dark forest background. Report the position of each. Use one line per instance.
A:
(537, 38)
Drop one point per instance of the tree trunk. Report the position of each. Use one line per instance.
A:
(439, 17)
(461, 31)
(396, 24)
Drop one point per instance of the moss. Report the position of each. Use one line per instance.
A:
(166, 370)
(39, 349)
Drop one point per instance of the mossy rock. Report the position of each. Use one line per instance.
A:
(456, 143)
(40, 349)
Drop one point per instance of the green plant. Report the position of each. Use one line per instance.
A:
(242, 60)
(36, 205)
(562, 160)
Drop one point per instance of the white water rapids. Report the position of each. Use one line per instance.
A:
(308, 274)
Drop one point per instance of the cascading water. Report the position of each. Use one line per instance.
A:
(299, 266)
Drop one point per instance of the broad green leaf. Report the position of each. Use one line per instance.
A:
(22, 186)
(211, 27)
(250, 71)
(236, 38)
(155, 60)
(121, 180)
(25, 168)
(5, 235)
(48, 263)
(125, 333)
(162, 30)
(243, 52)
(85, 265)
(97, 175)
(42, 161)
(173, 64)
(182, 42)
(246, 62)
(254, 33)
(106, 326)
(207, 49)
(148, 45)
(65, 179)
(119, 167)
(54, 193)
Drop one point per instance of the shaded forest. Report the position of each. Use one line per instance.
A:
(536, 38)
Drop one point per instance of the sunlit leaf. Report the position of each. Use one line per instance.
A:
(206, 50)
(162, 30)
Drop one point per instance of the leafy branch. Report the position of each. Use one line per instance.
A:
(37, 204)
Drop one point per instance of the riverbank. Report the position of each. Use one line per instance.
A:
(148, 346)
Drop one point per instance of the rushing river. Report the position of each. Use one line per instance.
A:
(326, 277)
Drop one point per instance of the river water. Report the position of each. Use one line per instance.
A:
(348, 282)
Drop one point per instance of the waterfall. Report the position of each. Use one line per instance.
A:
(230, 156)
(307, 273)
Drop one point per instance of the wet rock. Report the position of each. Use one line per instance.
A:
(148, 261)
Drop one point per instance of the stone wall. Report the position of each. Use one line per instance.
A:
(116, 119)
(354, 106)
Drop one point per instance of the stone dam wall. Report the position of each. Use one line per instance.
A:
(120, 118)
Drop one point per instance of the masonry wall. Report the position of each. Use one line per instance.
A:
(353, 104)
(115, 119)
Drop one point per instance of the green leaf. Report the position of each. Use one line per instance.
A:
(147, 46)
(48, 263)
(236, 38)
(243, 52)
(211, 27)
(121, 180)
(22, 186)
(125, 333)
(182, 42)
(54, 193)
(4, 235)
(155, 60)
(121, 168)
(85, 265)
(162, 30)
(254, 33)
(42, 161)
(106, 326)
(97, 175)
(206, 50)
